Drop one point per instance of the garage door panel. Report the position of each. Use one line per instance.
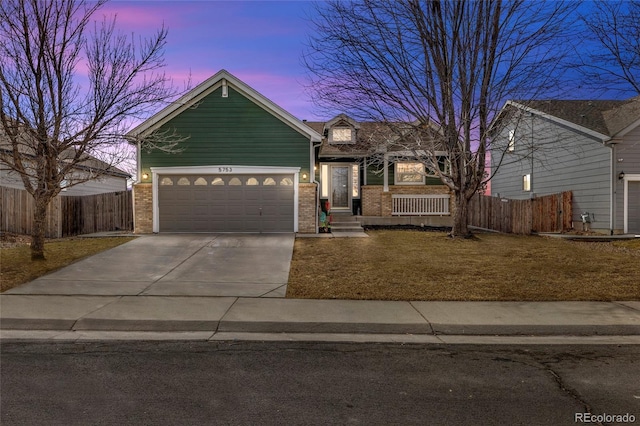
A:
(226, 203)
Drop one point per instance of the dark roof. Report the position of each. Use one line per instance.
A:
(370, 137)
(607, 117)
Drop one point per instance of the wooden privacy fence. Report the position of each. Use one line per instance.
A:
(16, 213)
(549, 213)
(96, 213)
(67, 216)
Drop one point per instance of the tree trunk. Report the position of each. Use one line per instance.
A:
(460, 216)
(39, 224)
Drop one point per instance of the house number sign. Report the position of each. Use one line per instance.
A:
(225, 169)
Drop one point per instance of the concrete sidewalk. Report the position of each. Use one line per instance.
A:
(67, 317)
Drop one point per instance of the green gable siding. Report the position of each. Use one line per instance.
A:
(231, 131)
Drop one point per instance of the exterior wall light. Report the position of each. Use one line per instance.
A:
(621, 175)
(304, 176)
(145, 176)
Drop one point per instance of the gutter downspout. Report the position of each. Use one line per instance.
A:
(312, 174)
(138, 180)
(612, 187)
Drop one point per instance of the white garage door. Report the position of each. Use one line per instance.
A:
(226, 203)
(634, 207)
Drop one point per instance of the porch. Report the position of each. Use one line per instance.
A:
(425, 205)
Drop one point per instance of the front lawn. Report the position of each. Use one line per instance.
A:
(414, 265)
(16, 266)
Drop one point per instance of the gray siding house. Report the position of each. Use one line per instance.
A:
(108, 179)
(591, 148)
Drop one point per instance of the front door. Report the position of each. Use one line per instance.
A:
(340, 187)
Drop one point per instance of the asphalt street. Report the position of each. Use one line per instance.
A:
(277, 383)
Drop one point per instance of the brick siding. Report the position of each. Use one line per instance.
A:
(142, 208)
(307, 209)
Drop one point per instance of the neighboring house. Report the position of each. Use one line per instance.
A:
(250, 166)
(591, 148)
(108, 179)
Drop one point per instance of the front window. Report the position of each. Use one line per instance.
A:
(355, 181)
(409, 174)
(324, 180)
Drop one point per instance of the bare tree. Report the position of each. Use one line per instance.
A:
(445, 65)
(52, 125)
(612, 63)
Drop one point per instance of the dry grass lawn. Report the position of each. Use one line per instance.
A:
(413, 265)
(16, 266)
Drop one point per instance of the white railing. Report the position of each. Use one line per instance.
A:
(420, 205)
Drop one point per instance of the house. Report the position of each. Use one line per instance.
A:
(369, 169)
(107, 178)
(589, 147)
(248, 165)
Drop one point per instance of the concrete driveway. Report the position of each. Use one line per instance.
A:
(249, 265)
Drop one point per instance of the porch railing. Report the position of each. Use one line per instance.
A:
(420, 205)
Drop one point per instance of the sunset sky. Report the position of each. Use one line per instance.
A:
(260, 42)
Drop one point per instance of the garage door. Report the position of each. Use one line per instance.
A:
(226, 203)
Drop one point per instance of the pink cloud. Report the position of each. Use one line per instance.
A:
(139, 17)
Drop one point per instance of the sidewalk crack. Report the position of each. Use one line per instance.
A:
(424, 318)
(118, 298)
(622, 305)
(224, 315)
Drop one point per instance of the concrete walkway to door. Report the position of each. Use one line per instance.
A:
(236, 265)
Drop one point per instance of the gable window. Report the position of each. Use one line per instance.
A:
(341, 135)
(511, 146)
(526, 182)
(409, 174)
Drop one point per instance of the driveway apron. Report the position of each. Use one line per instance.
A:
(236, 265)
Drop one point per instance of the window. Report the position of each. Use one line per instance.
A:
(409, 174)
(286, 182)
(217, 181)
(235, 181)
(183, 181)
(355, 180)
(511, 141)
(252, 181)
(200, 181)
(324, 180)
(526, 182)
(269, 181)
(341, 135)
(165, 181)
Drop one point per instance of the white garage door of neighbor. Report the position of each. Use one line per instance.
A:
(634, 207)
(226, 203)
